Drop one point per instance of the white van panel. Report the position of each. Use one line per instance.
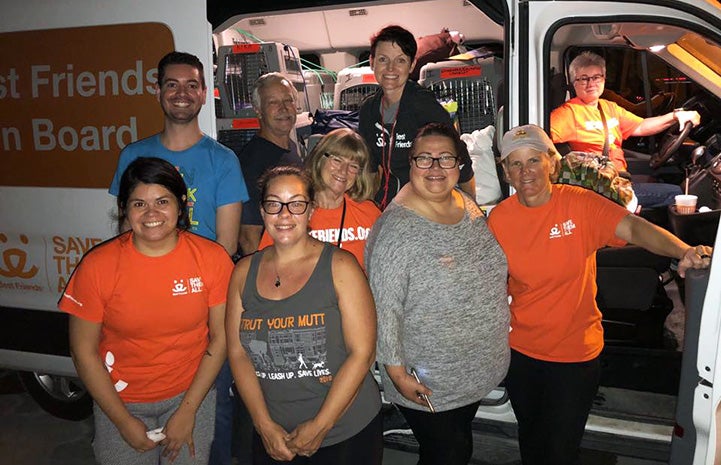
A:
(45, 230)
(51, 229)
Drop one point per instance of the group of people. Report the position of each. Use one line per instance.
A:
(447, 301)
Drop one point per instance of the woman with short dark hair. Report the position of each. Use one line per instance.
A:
(390, 118)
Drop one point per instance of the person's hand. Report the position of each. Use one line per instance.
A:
(179, 431)
(307, 437)
(409, 388)
(133, 432)
(274, 440)
(695, 257)
(683, 116)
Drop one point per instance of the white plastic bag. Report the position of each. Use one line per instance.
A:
(480, 148)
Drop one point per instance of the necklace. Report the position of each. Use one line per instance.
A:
(277, 276)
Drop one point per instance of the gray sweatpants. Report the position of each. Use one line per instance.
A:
(111, 449)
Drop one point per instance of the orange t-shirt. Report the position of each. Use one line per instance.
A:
(581, 126)
(325, 226)
(153, 310)
(551, 252)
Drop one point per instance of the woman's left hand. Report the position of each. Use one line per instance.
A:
(695, 257)
(179, 431)
(306, 438)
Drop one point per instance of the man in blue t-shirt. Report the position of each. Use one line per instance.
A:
(216, 189)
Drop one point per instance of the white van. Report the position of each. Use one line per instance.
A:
(76, 85)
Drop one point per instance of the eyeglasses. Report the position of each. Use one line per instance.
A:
(425, 162)
(295, 207)
(337, 163)
(586, 79)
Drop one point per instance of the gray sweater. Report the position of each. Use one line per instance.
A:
(441, 297)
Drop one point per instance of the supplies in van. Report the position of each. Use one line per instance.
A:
(480, 148)
(597, 173)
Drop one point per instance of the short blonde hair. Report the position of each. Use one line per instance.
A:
(348, 144)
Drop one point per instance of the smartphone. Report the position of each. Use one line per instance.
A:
(423, 396)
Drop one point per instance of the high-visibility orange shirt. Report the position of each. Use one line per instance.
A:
(581, 127)
(551, 252)
(153, 311)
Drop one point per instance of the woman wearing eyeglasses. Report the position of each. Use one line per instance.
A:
(589, 123)
(439, 281)
(343, 213)
(301, 329)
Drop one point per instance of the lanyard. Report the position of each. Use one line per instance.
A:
(342, 220)
(387, 152)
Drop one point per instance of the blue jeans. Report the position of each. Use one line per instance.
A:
(220, 451)
(655, 194)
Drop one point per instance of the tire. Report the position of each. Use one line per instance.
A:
(60, 396)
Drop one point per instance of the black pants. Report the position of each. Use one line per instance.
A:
(444, 438)
(551, 402)
(365, 448)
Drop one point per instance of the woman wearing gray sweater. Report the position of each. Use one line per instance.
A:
(438, 277)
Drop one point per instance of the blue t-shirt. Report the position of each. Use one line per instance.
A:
(211, 172)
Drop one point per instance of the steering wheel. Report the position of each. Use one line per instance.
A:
(670, 144)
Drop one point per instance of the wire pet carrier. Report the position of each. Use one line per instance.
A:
(353, 86)
(240, 65)
(468, 88)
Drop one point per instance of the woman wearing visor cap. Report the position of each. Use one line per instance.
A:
(550, 234)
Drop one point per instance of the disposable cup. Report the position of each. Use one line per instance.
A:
(686, 204)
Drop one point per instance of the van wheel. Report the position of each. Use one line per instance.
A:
(60, 396)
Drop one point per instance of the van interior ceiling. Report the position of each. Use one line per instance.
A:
(340, 27)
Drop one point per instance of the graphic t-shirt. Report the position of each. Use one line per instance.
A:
(581, 126)
(325, 225)
(210, 170)
(551, 253)
(153, 310)
(296, 346)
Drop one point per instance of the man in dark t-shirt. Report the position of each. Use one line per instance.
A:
(274, 100)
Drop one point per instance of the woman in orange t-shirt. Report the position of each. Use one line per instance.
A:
(343, 214)
(550, 234)
(147, 325)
